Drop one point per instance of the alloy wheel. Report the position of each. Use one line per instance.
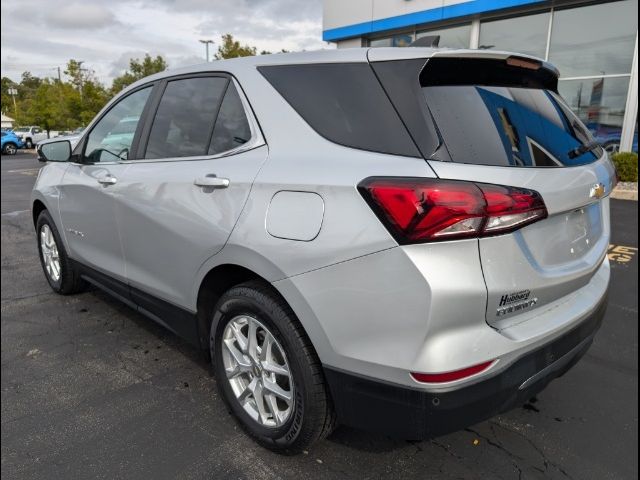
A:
(50, 255)
(257, 371)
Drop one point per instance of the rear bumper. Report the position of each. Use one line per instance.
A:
(414, 414)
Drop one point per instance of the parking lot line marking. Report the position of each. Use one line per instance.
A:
(621, 253)
(25, 171)
(15, 213)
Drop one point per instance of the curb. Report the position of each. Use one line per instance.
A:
(621, 194)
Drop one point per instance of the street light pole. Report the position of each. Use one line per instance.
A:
(206, 44)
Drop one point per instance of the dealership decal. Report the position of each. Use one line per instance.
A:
(515, 302)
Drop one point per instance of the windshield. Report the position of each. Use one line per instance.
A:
(22, 129)
(509, 126)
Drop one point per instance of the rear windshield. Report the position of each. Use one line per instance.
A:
(505, 113)
(508, 126)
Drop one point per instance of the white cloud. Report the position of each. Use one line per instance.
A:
(106, 34)
(80, 16)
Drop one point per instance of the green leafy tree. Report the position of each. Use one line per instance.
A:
(230, 48)
(138, 69)
(28, 84)
(45, 108)
(75, 71)
(7, 101)
(82, 97)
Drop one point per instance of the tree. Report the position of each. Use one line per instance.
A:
(7, 101)
(267, 52)
(45, 108)
(76, 72)
(231, 48)
(138, 69)
(84, 99)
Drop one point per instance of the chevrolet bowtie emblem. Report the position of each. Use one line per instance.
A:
(597, 191)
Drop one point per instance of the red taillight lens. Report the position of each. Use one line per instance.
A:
(419, 210)
(510, 208)
(451, 376)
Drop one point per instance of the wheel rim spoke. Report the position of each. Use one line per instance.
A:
(258, 397)
(241, 360)
(241, 340)
(273, 406)
(275, 368)
(253, 339)
(247, 393)
(277, 390)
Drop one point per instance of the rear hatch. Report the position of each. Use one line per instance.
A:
(498, 119)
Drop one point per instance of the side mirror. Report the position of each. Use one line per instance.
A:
(59, 151)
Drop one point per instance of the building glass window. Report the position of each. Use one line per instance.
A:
(380, 42)
(595, 40)
(453, 37)
(400, 40)
(521, 34)
(600, 104)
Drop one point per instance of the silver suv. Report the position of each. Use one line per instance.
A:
(401, 240)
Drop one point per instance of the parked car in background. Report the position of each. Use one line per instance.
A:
(404, 240)
(119, 139)
(10, 143)
(611, 142)
(31, 135)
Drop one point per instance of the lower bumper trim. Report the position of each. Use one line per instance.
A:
(414, 414)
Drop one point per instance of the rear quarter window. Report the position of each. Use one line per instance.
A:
(344, 103)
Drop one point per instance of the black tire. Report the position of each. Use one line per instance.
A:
(69, 281)
(10, 148)
(28, 143)
(312, 417)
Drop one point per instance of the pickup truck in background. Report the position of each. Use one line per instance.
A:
(31, 135)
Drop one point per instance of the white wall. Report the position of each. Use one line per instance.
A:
(339, 13)
(350, 43)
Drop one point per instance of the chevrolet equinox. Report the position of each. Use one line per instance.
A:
(406, 240)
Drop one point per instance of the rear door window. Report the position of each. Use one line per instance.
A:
(232, 127)
(184, 120)
(344, 103)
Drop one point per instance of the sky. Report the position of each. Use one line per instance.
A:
(40, 35)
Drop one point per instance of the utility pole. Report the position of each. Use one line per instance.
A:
(206, 43)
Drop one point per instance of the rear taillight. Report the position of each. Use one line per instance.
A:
(418, 210)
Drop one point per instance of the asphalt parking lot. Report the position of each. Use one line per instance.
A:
(91, 389)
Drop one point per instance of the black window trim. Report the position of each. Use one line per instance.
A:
(256, 140)
(141, 136)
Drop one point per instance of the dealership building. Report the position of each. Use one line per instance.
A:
(593, 44)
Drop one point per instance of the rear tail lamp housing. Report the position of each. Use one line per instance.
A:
(420, 210)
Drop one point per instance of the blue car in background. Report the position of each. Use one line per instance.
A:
(10, 143)
(611, 142)
(609, 137)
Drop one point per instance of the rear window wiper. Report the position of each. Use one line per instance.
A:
(587, 147)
